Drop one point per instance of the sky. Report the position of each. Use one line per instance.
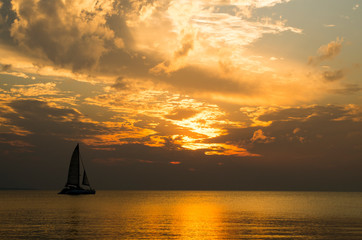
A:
(181, 94)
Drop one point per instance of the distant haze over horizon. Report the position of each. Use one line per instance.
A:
(176, 95)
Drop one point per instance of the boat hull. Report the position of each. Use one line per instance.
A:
(77, 191)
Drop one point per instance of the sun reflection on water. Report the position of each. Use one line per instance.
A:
(180, 215)
(197, 220)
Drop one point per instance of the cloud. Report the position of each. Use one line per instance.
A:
(287, 114)
(72, 35)
(38, 110)
(327, 52)
(5, 67)
(180, 114)
(336, 125)
(348, 89)
(16, 74)
(34, 90)
(17, 143)
(296, 130)
(316, 127)
(175, 163)
(204, 34)
(199, 109)
(187, 45)
(202, 49)
(29, 117)
(259, 136)
(334, 75)
(304, 113)
(161, 119)
(305, 139)
(119, 84)
(7, 17)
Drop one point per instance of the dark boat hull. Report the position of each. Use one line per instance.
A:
(78, 191)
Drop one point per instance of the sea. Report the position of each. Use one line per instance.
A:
(181, 215)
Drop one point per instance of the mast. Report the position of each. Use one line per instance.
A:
(73, 173)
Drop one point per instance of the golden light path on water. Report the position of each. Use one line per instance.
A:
(181, 215)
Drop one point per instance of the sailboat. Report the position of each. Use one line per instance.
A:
(73, 185)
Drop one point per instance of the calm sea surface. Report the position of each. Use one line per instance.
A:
(180, 215)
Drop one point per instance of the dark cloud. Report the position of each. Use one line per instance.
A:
(329, 138)
(119, 84)
(179, 114)
(37, 158)
(306, 113)
(38, 109)
(117, 23)
(348, 89)
(311, 136)
(63, 34)
(334, 75)
(90, 40)
(194, 79)
(7, 17)
(331, 147)
(5, 67)
(287, 114)
(42, 119)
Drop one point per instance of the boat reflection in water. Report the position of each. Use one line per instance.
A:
(73, 185)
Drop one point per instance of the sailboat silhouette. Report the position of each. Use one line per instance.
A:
(73, 185)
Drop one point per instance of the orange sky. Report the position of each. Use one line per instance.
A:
(266, 87)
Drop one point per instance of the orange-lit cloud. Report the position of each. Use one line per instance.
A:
(175, 163)
(203, 51)
(259, 136)
(327, 52)
(17, 143)
(34, 90)
(219, 86)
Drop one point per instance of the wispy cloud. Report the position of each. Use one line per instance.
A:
(348, 89)
(34, 90)
(327, 52)
(211, 31)
(329, 25)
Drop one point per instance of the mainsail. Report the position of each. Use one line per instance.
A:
(73, 173)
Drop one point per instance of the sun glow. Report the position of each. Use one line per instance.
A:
(204, 123)
(211, 148)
